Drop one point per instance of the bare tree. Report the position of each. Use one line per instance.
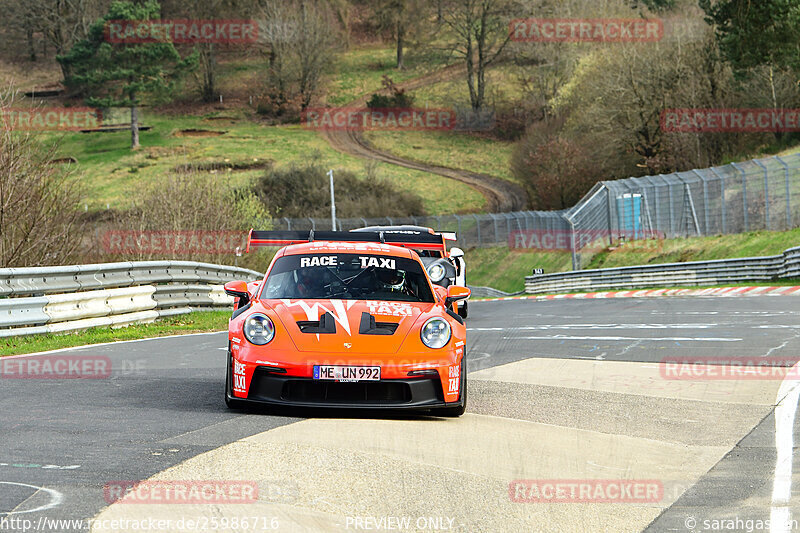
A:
(404, 19)
(481, 34)
(300, 38)
(62, 22)
(39, 218)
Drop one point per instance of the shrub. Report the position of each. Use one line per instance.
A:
(304, 191)
(391, 96)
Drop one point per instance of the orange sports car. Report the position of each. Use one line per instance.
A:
(347, 320)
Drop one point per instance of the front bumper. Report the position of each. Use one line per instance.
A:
(268, 387)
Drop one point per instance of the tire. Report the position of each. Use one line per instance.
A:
(230, 402)
(463, 309)
(458, 410)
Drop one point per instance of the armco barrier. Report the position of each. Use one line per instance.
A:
(70, 298)
(717, 272)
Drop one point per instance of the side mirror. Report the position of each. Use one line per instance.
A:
(456, 294)
(237, 289)
(456, 252)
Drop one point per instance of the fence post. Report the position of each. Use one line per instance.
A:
(744, 193)
(458, 221)
(671, 208)
(766, 193)
(788, 196)
(478, 226)
(313, 224)
(288, 224)
(496, 231)
(705, 199)
(608, 213)
(722, 197)
(576, 263)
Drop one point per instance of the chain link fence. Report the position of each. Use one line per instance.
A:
(483, 230)
(762, 194)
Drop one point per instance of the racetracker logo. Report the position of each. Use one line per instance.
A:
(730, 120)
(51, 119)
(172, 242)
(390, 119)
(541, 30)
(181, 492)
(56, 367)
(181, 31)
(729, 368)
(586, 491)
(581, 239)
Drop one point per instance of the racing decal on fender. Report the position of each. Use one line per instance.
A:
(330, 260)
(239, 377)
(378, 262)
(390, 308)
(454, 378)
(313, 312)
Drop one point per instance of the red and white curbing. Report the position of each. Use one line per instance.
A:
(716, 291)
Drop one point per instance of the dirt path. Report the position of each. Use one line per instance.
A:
(501, 195)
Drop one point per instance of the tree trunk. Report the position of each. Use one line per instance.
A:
(31, 44)
(134, 126)
(778, 134)
(401, 33)
(209, 58)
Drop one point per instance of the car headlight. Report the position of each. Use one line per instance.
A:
(435, 333)
(258, 329)
(436, 272)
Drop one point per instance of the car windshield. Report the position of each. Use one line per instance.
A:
(348, 277)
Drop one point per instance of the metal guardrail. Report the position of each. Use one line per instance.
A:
(752, 269)
(70, 298)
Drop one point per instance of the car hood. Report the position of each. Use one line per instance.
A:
(345, 316)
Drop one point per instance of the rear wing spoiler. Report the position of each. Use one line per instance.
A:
(416, 240)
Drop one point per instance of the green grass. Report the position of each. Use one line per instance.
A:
(203, 321)
(360, 71)
(454, 150)
(752, 244)
(505, 269)
(113, 173)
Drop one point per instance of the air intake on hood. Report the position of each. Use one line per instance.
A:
(370, 327)
(325, 324)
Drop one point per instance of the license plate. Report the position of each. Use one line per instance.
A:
(347, 373)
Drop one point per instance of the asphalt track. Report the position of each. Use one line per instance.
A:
(558, 390)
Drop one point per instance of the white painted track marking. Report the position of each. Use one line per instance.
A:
(785, 411)
(55, 498)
